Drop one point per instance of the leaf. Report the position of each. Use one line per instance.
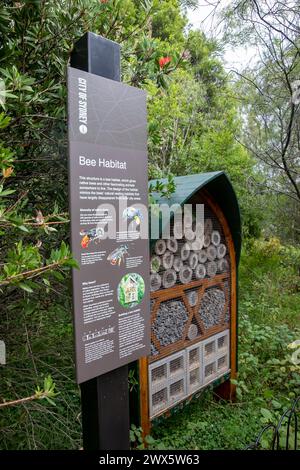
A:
(266, 414)
(25, 287)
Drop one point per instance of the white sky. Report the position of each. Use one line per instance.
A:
(205, 18)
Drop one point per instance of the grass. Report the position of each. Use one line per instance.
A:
(40, 341)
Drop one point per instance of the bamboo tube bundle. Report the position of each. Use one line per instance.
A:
(200, 271)
(221, 251)
(206, 241)
(155, 264)
(177, 263)
(193, 260)
(216, 238)
(192, 332)
(189, 234)
(211, 252)
(169, 278)
(192, 297)
(172, 245)
(160, 247)
(167, 260)
(155, 282)
(188, 218)
(185, 274)
(185, 252)
(211, 268)
(208, 227)
(202, 256)
(197, 244)
(223, 265)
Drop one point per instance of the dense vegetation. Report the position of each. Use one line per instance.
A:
(195, 125)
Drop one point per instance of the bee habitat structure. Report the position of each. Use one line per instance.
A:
(193, 299)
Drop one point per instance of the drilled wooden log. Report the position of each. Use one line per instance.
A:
(155, 282)
(211, 268)
(177, 263)
(223, 265)
(208, 227)
(160, 247)
(221, 251)
(187, 218)
(193, 260)
(202, 256)
(206, 241)
(185, 274)
(211, 252)
(200, 271)
(167, 260)
(169, 278)
(189, 234)
(192, 332)
(155, 264)
(192, 297)
(172, 245)
(197, 244)
(185, 252)
(216, 237)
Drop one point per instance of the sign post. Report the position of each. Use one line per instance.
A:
(109, 231)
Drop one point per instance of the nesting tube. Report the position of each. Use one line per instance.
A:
(155, 264)
(208, 227)
(223, 265)
(192, 297)
(200, 271)
(189, 234)
(185, 252)
(197, 244)
(169, 278)
(172, 245)
(192, 332)
(211, 252)
(185, 274)
(193, 260)
(167, 260)
(155, 282)
(216, 238)
(202, 256)
(160, 247)
(221, 251)
(177, 263)
(206, 241)
(211, 268)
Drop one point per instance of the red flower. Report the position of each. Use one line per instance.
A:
(164, 61)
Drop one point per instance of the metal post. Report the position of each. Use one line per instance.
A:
(104, 399)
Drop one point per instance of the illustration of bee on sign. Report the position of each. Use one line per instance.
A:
(91, 235)
(118, 255)
(133, 213)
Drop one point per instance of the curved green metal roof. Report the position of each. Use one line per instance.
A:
(219, 186)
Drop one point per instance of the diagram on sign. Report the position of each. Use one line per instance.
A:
(92, 235)
(132, 213)
(117, 256)
(131, 290)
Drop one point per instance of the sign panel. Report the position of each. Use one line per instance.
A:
(109, 222)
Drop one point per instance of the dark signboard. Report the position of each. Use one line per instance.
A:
(109, 222)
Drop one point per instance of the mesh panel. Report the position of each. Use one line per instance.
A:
(222, 362)
(160, 399)
(222, 342)
(159, 373)
(209, 370)
(177, 389)
(170, 321)
(194, 377)
(212, 307)
(194, 359)
(177, 366)
(209, 349)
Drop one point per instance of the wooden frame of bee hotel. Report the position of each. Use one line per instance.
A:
(193, 299)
